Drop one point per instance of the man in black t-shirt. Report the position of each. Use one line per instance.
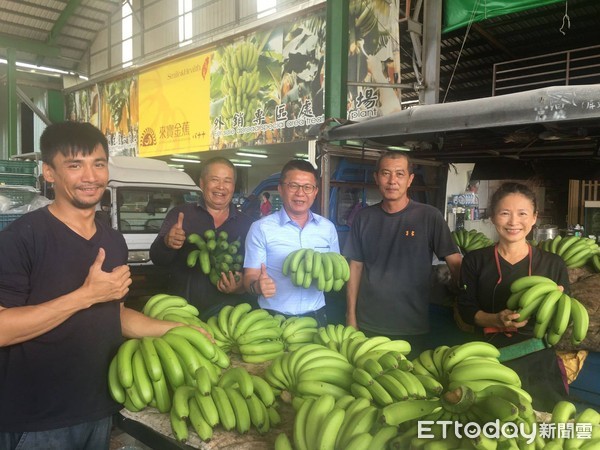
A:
(63, 276)
(391, 247)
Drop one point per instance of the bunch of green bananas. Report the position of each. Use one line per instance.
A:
(333, 336)
(565, 412)
(476, 388)
(298, 331)
(327, 270)
(382, 382)
(576, 251)
(436, 412)
(446, 364)
(173, 308)
(310, 371)
(344, 423)
(357, 348)
(254, 334)
(365, 18)
(470, 240)
(215, 255)
(314, 369)
(237, 402)
(554, 310)
(596, 262)
(144, 371)
(241, 83)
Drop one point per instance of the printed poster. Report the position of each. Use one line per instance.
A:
(268, 87)
(175, 100)
(373, 59)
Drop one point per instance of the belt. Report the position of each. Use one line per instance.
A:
(306, 314)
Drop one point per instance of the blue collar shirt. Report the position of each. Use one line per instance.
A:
(271, 239)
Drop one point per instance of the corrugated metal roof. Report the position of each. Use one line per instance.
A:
(36, 28)
(503, 38)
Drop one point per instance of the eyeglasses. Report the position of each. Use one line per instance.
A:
(295, 187)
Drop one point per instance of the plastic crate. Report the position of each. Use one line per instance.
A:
(18, 196)
(5, 219)
(22, 167)
(17, 179)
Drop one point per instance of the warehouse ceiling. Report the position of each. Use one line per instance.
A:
(53, 33)
(469, 54)
(59, 33)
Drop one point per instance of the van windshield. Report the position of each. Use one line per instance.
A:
(143, 210)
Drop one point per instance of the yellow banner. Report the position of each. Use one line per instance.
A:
(174, 102)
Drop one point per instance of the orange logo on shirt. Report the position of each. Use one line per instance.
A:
(410, 233)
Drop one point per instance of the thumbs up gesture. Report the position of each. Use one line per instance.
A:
(175, 238)
(106, 286)
(266, 283)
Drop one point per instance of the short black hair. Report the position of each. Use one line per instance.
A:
(298, 164)
(70, 138)
(395, 155)
(267, 195)
(216, 160)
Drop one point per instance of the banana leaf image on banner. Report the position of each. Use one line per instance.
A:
(373, 58)
(268, 87)
(119, 115)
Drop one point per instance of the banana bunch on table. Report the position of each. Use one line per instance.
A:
(327, 422)
(565, 412)
(145, 371)
(539, 297)
(357, 348)
(334, 336)
(470, 240)
(253, 333)
(314, 369)
(311, 371)
(576, 251)
(383, 382)
(326, 270)
(236, 402)
(173, 308)
(596, 262)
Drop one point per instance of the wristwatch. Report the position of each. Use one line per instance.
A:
(252, 288)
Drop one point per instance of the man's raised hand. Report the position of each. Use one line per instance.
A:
(175, 238)
(266, 283)
(106, 286)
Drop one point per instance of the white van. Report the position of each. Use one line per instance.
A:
(140, 193)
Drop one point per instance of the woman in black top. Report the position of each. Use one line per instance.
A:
(486, 276)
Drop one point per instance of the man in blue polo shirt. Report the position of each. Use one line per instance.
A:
(272, 238)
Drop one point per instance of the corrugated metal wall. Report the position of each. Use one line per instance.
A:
(156, 29)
